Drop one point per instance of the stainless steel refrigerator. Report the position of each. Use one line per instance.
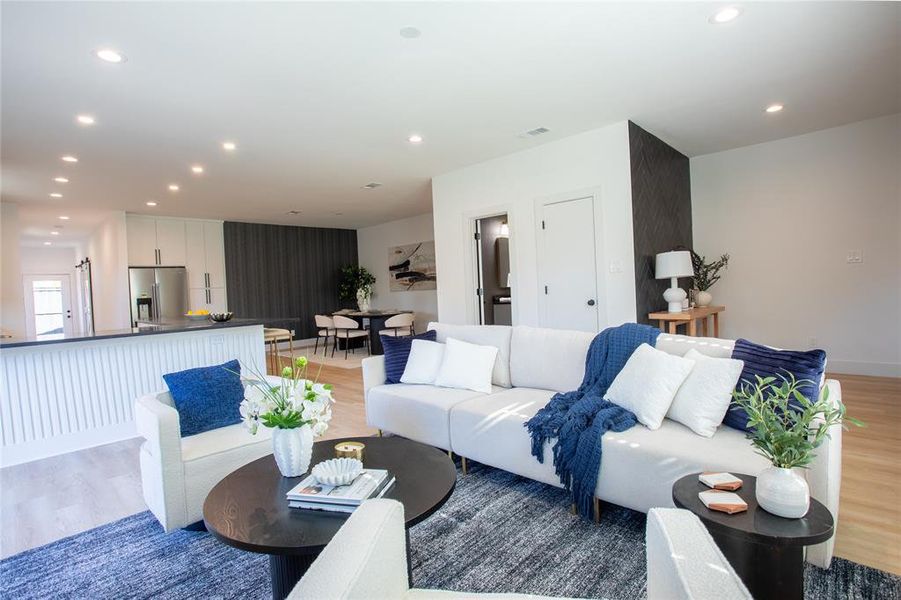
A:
(158, 294)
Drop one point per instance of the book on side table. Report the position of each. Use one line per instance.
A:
(312, 495)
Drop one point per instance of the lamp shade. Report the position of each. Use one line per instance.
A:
(674, 264)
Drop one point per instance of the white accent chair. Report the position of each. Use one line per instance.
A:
(326, 329)
(178, 473)
(347, 329)
(367, 559)
(399, 325)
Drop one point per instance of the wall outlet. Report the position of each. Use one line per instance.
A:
(616, 266)
(217, 340)
(855, 257)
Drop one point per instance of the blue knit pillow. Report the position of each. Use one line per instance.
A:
(767, 362)
(397, 350)
(207, 397)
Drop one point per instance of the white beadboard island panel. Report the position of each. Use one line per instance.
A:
(62, 397)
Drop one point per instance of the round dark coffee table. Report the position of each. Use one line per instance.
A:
(766, 551)
(248, 509)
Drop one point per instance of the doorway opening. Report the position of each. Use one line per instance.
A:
(48, 308)
(493, 287)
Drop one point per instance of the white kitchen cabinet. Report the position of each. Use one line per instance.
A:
(195, 259)
(214, 249)
(155, 242)
(211, 299)
(218, 300)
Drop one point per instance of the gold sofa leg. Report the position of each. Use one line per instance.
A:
(450, 455)
(573, 509)
(463, 464)
(597, 510)
(380, 432)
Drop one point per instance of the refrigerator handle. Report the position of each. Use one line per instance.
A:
(155, 302)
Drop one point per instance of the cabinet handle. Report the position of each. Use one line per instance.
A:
(207, 276)
(209, 299)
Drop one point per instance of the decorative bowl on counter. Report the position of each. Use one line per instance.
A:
(221, 317)
(196, 315)
(337, 471)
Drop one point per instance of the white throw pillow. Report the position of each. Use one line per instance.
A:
(423, 363)
(702, 401)
(466, 366)
(648, 383)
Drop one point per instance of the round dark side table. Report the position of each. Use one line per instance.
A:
(248, 509)
(766, 551)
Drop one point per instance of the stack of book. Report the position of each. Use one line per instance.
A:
(312, 495)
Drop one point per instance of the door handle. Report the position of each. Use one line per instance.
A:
(591, 302)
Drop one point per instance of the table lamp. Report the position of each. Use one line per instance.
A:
(672, 265)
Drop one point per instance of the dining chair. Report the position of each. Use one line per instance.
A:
(326, 329)
(347, 329)
(399, 325)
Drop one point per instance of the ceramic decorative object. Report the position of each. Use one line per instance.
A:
(293, 449)
(363, 296)
(703, 298)
(783, 493)
(337, 471)
(221, 317)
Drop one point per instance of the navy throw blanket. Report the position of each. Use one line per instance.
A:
(579, 418)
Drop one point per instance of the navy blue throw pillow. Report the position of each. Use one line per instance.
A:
(207, 397)
(767, 362)
(397, 350)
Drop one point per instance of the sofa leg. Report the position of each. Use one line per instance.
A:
(450, 455)
(597, 510)
(463, 465)
(573, 509)
(379, 432)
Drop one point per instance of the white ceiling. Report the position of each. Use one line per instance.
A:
(320, 97)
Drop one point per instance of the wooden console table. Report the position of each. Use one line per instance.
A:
(690, 318)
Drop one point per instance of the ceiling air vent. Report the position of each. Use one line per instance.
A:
(372, 185)
(537, 131)
(293, 212)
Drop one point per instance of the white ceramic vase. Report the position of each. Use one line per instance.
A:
(293, 449)
(363, 300)
(703, 298)
(783, 492)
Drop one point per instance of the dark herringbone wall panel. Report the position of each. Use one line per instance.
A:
(285, 274)
(661, 212)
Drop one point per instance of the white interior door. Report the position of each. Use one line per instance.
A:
(567, 265)
(48, 305)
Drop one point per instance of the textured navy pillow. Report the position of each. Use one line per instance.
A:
(207, 397)
(767, 362)
(397, 350)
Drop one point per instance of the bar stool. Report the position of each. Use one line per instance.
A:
(272, 336)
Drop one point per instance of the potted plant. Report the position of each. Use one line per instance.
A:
(785, 428)
(297, 410)
(706, 274)
(356, 284)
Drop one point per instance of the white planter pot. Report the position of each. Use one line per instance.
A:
(703, 298)
(783, 493)
(362, 301)
(293, 449)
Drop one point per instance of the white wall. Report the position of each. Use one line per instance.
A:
(789, 212)
(596, 161)
(108, 250)
(372, 248)
(12, 299)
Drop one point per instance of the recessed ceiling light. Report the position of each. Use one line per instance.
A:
(54, 233)
(774, 108)
(110, 55)
(229, 146)
(197, 169)
(69, 158)
(64, 217)
(85, 119)
(46, 243)
(724, 15)
(410, 33)
(151, 203)
(173, 187)
(60, 180)
(56, 195)
(415, 139)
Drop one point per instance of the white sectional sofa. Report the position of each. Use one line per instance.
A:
(639, 466)
(367, 559)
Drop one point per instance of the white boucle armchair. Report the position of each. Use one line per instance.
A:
(367, 559)
(177, 473)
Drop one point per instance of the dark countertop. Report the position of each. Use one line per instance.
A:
(164, 327)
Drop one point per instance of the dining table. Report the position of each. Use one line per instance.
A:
(376, 320)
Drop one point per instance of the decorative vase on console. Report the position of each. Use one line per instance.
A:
(364, 294)
(705, 275)
(786, 427)
(296, 408)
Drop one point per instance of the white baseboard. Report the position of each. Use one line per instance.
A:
(853, 367)
(63, 444)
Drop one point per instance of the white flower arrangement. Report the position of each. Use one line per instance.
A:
(295, 402)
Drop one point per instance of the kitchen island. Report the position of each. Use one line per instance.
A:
(62, 394)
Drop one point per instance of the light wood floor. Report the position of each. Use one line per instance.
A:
(60, 496)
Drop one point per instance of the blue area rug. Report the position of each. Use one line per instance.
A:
(497, 533)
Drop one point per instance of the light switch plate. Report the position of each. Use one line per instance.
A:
(855, 257)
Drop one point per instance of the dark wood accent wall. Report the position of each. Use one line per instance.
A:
(285, 274)
(661, 212)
